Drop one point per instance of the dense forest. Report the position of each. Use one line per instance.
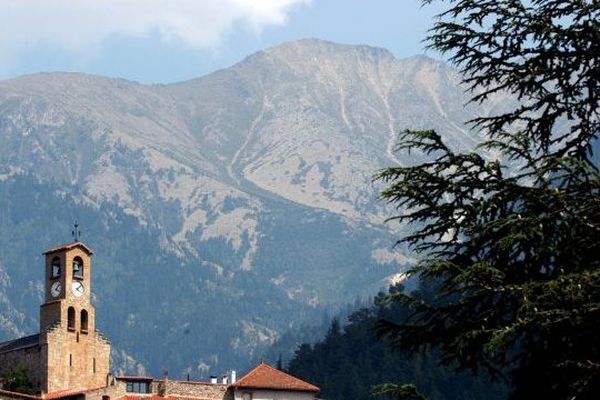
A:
(352, 358)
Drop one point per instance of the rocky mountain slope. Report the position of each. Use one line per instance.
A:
(222, 209)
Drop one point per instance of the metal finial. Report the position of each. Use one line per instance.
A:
(76, 233)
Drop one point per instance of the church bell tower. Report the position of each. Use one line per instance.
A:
(68, 289)
(74, 355)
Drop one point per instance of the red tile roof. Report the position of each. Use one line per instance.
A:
(266, 377)
(135, 378)
(195, 382)
(138, 397)
(69, 246)
(66, 393)
(156, 397)
(9, 393)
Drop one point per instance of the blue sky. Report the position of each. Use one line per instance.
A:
(160, 41)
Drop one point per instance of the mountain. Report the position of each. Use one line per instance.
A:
(223, 210)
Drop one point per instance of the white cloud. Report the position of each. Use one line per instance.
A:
(80, 25)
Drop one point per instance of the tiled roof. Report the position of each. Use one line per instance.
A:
(67, 393)
(195, 382)
(68, 246)
(150, 378)
(156, 397)
(139, 397)
(266, 377)
(18, 395)
(135, 378)
(21, 343)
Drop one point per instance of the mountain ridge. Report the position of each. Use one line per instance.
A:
(249, 189)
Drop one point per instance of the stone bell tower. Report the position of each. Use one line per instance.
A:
(73, 354)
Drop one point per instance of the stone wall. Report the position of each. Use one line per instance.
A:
(28, 357)
(203, 390)
(165, 388)
(114, 389)
(73, 360)
(50, 314)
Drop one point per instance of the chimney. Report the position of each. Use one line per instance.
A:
(224, 379)
(233, 376)
(213, 379)
(163, 387)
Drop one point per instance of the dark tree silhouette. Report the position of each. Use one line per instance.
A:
(513, 252)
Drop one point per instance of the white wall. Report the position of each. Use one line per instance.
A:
(273, 395)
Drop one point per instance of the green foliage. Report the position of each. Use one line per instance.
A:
(398, 392)
(512, 252)
(350, 360)
(16, 380)
(546, 52)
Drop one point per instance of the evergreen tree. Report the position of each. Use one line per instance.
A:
(15, 379)
(349, 361)
(512, 253)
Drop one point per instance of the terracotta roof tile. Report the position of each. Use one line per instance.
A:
(196, 382)
(9, 393)
(135, 378)
(156, 397)
(67, 393)
(266, 377)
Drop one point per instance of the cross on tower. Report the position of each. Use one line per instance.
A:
(76, 233)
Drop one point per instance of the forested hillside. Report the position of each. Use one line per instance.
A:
(129, 270)
(351, 359)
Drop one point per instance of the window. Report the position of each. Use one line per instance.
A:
(70, 360)
(84, 321)
(138, 387)
(55, 267)
(94, 365)
(71, 319)
(247, 396)
(77, 267)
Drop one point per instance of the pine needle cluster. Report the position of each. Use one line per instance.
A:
(512, 243)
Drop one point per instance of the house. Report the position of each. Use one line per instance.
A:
(267, 383)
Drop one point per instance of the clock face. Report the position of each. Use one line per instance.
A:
(55, 289)
(77, 288)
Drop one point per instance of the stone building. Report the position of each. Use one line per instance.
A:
(70, 359)
(68, 353)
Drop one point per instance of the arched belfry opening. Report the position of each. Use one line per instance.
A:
(71, 319)
(77, 267)
(55, 267)
(84, 321)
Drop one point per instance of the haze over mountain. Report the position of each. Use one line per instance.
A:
(223, 210)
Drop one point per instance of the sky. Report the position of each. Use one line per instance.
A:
(162, 41)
